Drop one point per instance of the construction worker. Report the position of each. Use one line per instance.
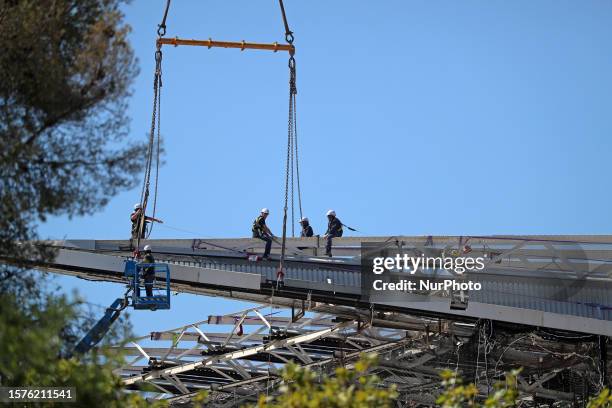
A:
(334, 229)
(135, 218)
(148, 272)
(261, 231)
(306, 228)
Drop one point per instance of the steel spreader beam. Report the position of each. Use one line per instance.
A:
(241, 45)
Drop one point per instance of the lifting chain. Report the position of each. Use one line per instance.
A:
(295, 135)
(158, 75)
(293, 145)
(153, 144)
(292, 149)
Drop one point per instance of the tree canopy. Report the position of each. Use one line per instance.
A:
(66, 69)
(348, 388)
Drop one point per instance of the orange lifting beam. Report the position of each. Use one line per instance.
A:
(227, 44)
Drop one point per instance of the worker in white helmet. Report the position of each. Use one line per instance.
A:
(261, 231)
(334, 229)
(135, 218)
(148, 272)
(306, 228)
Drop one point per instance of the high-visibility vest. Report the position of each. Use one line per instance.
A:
(258, 226)
(334, 227)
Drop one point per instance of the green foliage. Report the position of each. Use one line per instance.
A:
(66, 71)
(505, 394)
(31, 350)
(355, 388)
(200, 399)
(603, 400)
(347, 389)
(456, 394)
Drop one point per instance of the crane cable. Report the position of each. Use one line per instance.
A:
(153, 143)
(292, 151)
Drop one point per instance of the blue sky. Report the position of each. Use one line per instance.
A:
(415, 118)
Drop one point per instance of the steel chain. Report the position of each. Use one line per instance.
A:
(156, 115)
(159, 89)
(292, 193)
(145, 188)
(297, 158)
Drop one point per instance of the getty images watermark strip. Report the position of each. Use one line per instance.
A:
(407, 274)
(400, 273)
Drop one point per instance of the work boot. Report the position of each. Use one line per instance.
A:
(328, 254)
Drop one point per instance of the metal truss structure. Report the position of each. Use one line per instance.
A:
(244, 361)
(240, 364)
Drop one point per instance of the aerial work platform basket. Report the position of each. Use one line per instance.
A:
(160, 298)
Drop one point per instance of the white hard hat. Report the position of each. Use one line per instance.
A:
(265, 211)
(147, 247)
(305, 219)
(331, 212)
(137, 206)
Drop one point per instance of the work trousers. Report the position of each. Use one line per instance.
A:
(268, 241)
(328, 244)
(149, 280)
(149, 288)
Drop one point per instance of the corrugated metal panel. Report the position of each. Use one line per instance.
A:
(590, 298)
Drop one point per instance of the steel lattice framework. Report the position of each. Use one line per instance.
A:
(242, 362)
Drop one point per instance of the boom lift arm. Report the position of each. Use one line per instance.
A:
(102, 327)
(134, 271)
